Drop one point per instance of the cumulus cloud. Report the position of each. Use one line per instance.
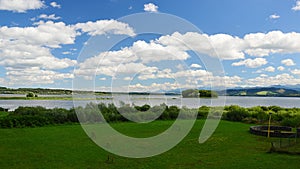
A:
(270, 69)
(281, 79)
(274, 16)
(264, 44)
(251, 63)
(150, 7)
(297, 6)
(105, 26)
(35, 75)
(219, 45)
(3, 82)
(228, 47)
(20, 6)
(217, 81)
(22, 48)
(55, 5)
(22, 56)
(120, 61)
(296, 72)
(280, 68)
(195, 65)
(25, 47)
(288, 62)
(50, 17)
(45, 33)
(224, 81)
(176, 47)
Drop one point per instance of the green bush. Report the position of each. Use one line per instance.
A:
(236, 113)
(291, 122)
(40, 116)
(31, 94)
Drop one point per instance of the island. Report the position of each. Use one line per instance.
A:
(195, 93)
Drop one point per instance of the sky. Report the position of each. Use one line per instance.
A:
(48, 44)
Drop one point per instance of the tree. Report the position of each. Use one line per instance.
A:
(30, 94)
(190, 93)
(194, 93)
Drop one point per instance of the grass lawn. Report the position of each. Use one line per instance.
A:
(67, 146)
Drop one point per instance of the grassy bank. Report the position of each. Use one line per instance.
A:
(67, 146)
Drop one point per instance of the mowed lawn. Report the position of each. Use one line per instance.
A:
(68, 146)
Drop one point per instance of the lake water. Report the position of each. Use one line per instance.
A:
(152, 100)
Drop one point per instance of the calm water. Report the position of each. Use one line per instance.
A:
(156, 100)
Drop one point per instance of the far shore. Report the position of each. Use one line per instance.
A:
(49, 98)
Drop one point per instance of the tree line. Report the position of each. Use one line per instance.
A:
(40, 116)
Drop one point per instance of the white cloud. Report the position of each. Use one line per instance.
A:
(20, 6)
(297, 6)
(263, 75)
(24, 47)
(270, 69)
(274, 16)
(281, 79)
(251, 63)
(3, 82)
(48, 34)
(102, 78)
(195, 65)
(296, 72)
(35, 75)
(280, 68)
(17, 55)
(154, 52)
(66, 53)
(55, 5)
(127, 78)
(228, 47)
(150, 7)
(105, 26)
(288, 62)
(153, 87)
(217, 81)
(219, 45)
(121, 61)
(224, 81)
(50, 17)
(264, 44)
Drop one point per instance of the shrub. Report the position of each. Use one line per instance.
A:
(145, 107)
(291, 122)
(203, 112)
(236, 113)
(31, 94)
(250, 120)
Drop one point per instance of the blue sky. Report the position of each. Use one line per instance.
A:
(257, 42)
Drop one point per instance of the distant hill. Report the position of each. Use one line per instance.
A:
(273, 91)
(43, 91)
(293, 87)
(262, 91)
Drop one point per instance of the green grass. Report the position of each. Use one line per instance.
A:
(264, 93)
(243, 93)
(67, 146)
